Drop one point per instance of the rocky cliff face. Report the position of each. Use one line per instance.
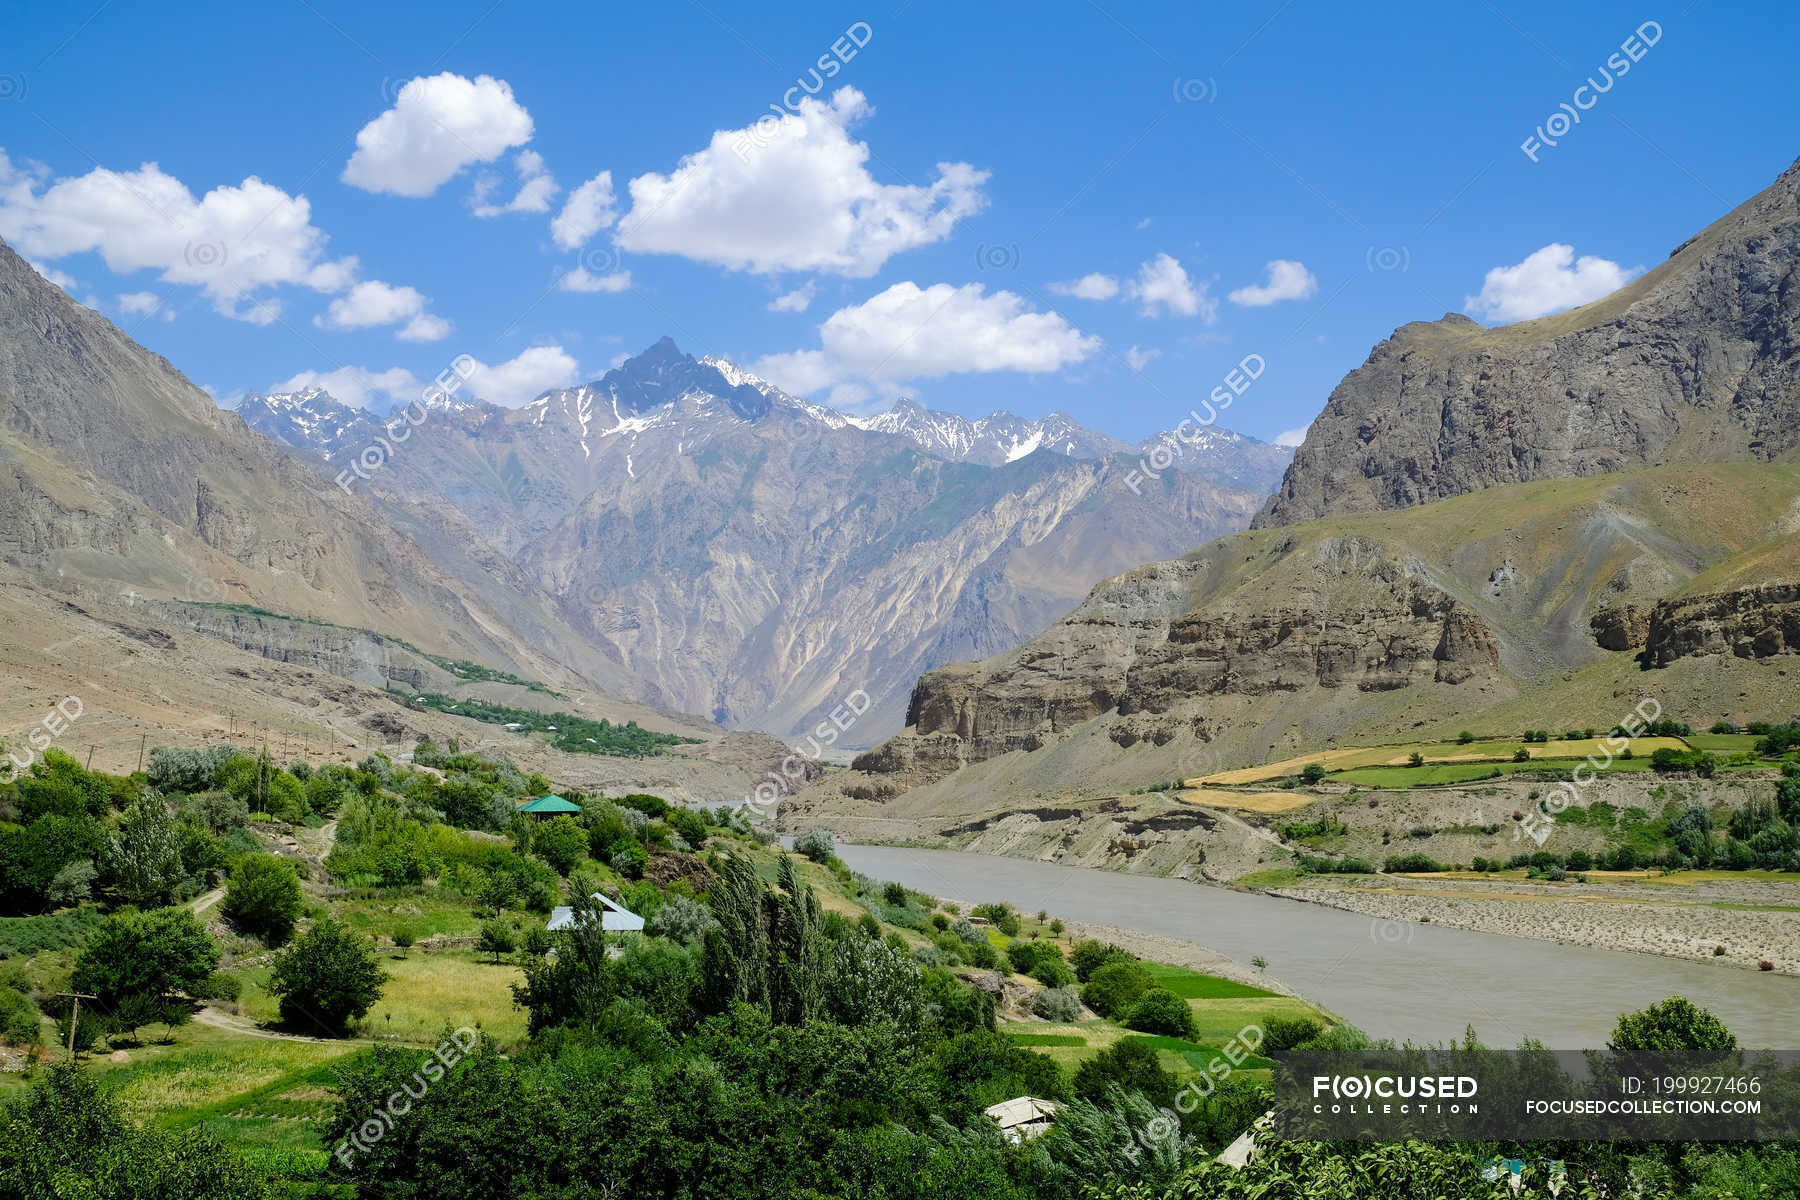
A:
(1698, 361)
(1757, 622)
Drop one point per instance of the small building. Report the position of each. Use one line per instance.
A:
(545, 807)
(613, 917)
(1023, 1117)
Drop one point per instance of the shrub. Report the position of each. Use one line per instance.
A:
(263, 897)
(894, 893)
(680, 919)
(1400, 864)
(1521, 755)
(1765, 965)
(1464, 738)
(1112, 989)
(1056, 1004)
(1415, 759)
(631, 861)
(1161, 1011)
(327, 978)
(1284, 1033)
(817, 843)
(1001, 915)
(1130, 1065)
(1723, 727)
(1312, 772)
(19, 1018)
(1088, 956)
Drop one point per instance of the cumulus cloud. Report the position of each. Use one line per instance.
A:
(1163, 282)
(795, 301)
(536, 187)
(1089, 287)
(231, 242)
(373, 303)
(589, 209)
(145, 304)
(1288, 280)
(1292, 437)
(1549, 280)
(510, 383)
(61, 279)
(355, 386)
(438, 126)
(794, 194)
(582, 280)
(522, 379)
(908, 332)
(1138, 359)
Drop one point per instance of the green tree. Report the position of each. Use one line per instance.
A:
(1671, 1026)
(1312, 772)
(1088, 956)
(146, 954)
(817, 844)
(1130, 1065)
(690, 825)
(143, 859)
(497, 937)
(560, 842)
(263, 897)
(67, 1139)
(1161, 1011)
(1112, 989)
(327, 978)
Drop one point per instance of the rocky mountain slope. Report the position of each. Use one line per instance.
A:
(1697, 361)
(755, 557)
(138, 522)
(1473, 612)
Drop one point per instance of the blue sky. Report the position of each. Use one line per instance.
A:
(1289, 180)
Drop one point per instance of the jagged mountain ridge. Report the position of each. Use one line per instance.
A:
(1696, 361)
(754, 556)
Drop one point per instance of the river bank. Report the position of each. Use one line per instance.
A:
(1751, 920)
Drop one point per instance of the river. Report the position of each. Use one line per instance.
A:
(1398, 980)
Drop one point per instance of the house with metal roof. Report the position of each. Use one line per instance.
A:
(1023, 1117)
(613, 917)
(551, 805)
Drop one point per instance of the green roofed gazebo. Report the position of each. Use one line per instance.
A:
(549, 806)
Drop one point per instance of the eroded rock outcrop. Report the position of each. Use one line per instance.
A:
(1756, 622)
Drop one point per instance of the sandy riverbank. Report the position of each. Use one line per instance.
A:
(1676, 921)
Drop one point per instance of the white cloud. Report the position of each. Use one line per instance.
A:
(61, 279)
(1549, 280)
(355, 386)
(145, 304)
(1138, 359)
(1144, 223)
(794, 194)
(510, 383)
(373, 302)
(589, 209)
(522, 379)
(581, 280)
(908, 332)
(1164, 281)
(1292, 437)
(1288, 280)
(536, 187)
(438, 126)
(1089, 287)
(794, 301)
(231, 242)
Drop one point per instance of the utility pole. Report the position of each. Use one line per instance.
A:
(143, 740)
(90, 759)
(75, 1015)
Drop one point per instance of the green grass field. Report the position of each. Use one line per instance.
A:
(425, 993)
